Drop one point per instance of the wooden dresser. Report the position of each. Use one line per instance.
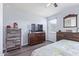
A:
(36, 38)
(68, 35)
(13, 39)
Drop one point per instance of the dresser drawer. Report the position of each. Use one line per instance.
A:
(36, 38)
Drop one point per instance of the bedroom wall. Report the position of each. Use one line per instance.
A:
(1, 29)
(59, 17)
(24, 20)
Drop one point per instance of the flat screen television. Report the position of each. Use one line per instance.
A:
(33, 27)
(36, 27)
(40, 27)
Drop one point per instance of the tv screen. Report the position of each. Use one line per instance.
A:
(40, 27)
(36, 28)
(33, 28)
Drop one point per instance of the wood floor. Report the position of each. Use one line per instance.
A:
(27, 50)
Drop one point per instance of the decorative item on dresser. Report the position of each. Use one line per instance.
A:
(68, 35)
(13, 39)
(36, 38)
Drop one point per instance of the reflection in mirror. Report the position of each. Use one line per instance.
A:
(70, 21)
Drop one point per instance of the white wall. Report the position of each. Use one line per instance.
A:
(1, 29)
(59, 17)
(24, 20)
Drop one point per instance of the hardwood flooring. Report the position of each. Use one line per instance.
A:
(26, 50)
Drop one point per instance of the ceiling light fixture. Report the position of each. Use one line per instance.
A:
(52, 4)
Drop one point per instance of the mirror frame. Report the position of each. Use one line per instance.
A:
(69, 16)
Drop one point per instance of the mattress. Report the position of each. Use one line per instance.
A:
(60, 48)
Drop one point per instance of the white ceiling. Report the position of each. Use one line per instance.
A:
(41, 9)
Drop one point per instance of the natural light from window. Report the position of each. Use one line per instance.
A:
(54, 21)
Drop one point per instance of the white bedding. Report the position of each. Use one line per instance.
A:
(60, 48)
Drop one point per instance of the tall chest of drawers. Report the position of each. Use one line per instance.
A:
(13, 39)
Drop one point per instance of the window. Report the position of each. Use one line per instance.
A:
(54, 21)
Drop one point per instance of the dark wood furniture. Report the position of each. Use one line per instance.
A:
(36, 38)
(68, 36)
(13, 39)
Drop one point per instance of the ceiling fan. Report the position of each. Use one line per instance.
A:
(52, 4)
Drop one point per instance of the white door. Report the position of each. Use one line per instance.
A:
(52, 29)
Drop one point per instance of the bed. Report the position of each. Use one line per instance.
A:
(60, 48)
(64, 47)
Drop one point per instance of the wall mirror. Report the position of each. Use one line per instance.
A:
(70, 21)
